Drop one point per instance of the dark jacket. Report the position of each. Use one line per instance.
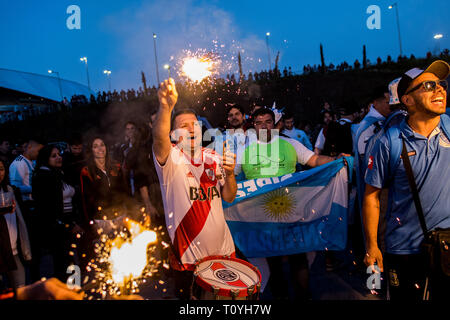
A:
(48, 196)
(103, 194)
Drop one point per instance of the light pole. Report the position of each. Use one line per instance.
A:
(108, 75)
(156, 58)
(268, 49)
(84, 59)
(59, 82)
(167, 67)
(398, 25)
(438, 37)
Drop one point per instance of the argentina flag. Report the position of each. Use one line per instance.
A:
(299, 212)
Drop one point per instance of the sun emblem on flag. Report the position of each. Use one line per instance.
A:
(279, 204)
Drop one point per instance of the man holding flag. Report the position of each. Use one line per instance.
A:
(274, 156)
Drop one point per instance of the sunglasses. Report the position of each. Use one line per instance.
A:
(430, 86)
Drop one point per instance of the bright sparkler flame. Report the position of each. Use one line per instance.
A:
(128, 259)
(196, 68)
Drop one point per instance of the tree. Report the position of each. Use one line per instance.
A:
(322, 59)
(144, 82)
(276, 71)
(364, 57)
(241, 75)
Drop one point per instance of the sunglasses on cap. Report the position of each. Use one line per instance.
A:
(430, 86)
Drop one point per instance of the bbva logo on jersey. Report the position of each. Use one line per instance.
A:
(199, 193)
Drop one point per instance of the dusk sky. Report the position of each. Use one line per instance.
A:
(117, 35)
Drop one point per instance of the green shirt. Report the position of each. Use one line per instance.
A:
(264, 160)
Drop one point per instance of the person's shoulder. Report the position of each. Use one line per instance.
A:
(85, 172)
(293, 142)
(20, 158)
(445, 121)
(394, 130)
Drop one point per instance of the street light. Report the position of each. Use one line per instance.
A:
(438, 36)
(84, 59)
(167, 67)
(59, 82)
(398, 25)
(156, 58)
(108, 73)
(268, 48)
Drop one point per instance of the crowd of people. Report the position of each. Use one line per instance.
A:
(60, 199)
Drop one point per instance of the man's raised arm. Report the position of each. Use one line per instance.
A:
(168, 96)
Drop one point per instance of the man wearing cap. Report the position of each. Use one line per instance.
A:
(425, 133)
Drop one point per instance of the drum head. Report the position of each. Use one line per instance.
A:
(226, 275)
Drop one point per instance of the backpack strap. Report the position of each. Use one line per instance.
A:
(413, 188)
(445, 121)
(395, 147)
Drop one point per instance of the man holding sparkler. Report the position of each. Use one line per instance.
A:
(193, 181)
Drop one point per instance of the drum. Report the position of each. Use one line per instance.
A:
(225, 278)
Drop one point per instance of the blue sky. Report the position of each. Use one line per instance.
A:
(117, 35)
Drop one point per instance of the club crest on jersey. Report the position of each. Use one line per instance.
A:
(211, 174)
(370, 163)
(190, 175)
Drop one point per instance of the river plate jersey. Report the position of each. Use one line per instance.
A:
(273, 159)
(193, 206)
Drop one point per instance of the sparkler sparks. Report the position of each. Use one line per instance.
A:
(130, 258)
(123, 262)
(198, 66)
(197, 69)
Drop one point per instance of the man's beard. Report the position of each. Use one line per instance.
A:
(420, 106)
(236, 125)
(190, 145)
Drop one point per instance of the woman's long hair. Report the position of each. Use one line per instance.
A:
(5, 182)
(44, 156)
(90, 156)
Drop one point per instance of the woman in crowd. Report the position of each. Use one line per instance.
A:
(14, 243)
(104, 190)
(57, 217)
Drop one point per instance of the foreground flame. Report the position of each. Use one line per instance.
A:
(128, 259)
(196, 68)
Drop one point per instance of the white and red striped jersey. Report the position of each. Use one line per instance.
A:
(193, 205)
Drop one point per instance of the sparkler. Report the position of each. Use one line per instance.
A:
(128, 259)
(123, 261)
(198, 66)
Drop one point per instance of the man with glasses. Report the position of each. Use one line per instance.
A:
(425, 134)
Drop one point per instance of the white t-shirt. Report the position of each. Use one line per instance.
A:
(68, 194)
(193, 205)
(20, 174)
(320, 142)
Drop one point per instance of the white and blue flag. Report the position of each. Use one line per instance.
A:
(299, 212)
